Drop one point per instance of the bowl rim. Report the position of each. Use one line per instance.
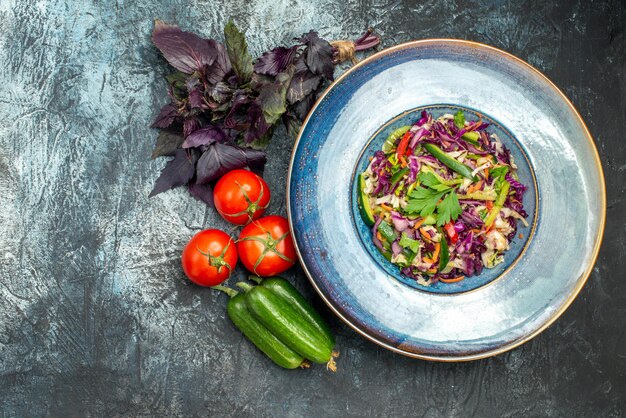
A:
(597, 162)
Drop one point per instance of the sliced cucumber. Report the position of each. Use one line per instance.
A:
(364, 203)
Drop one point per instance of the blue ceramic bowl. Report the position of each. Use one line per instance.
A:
(526, 176)
(544, 270)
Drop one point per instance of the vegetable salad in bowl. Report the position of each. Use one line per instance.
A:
(443, 198)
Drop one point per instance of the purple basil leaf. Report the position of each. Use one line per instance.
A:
(204, 136)
(220, 92)
(176, 77)
(166, 117)
(176, 172)
(177, 91)
(303, 82)
(259, 80)
(218, 70)
(202, 192)
(292, 124)
(272, 97)
(262, 142)
(257, 124)
(240, 99)
(237, 48)
(196, 98)
(167, 144)
(216, 161)
(218, 111)
(275, 61)
(222, 158)
(192, 82)
(302, 108)
(185, 51)
(231, 134)
(319, 55)
(255, 160)
(190, 125)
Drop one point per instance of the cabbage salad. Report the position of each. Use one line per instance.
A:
(443, 198)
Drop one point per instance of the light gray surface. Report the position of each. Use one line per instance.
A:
(95, 316)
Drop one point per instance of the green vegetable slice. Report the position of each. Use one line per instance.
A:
(479, 195)
(390, 143)
(497, 205)
(444, 254)
(364, 203)
(387, 232)
(471, 137)
(450, 162)
(398, 176)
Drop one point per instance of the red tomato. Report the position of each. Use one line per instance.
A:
(241, 196)
(265, 246)
(209, 257)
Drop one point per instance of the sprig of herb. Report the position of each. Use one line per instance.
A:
(430, 180)
(435, 197)
(459, 119)
(423, 201)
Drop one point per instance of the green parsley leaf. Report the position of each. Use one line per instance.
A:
(448, 209)
(430, 180)
(441, 187)
(459, 119)
(423, 201)
(409, 243)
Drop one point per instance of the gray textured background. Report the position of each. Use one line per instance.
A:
(96, 318)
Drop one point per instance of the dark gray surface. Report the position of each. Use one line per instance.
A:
(96, 318)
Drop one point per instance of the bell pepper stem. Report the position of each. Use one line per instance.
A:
(255, 279)
(230, 292)
(244, 286)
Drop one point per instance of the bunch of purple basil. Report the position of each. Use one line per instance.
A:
(224, 106)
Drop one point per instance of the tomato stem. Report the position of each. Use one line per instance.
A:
(230, 292)
(270, 245)
(217, 261)
(252, 206)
